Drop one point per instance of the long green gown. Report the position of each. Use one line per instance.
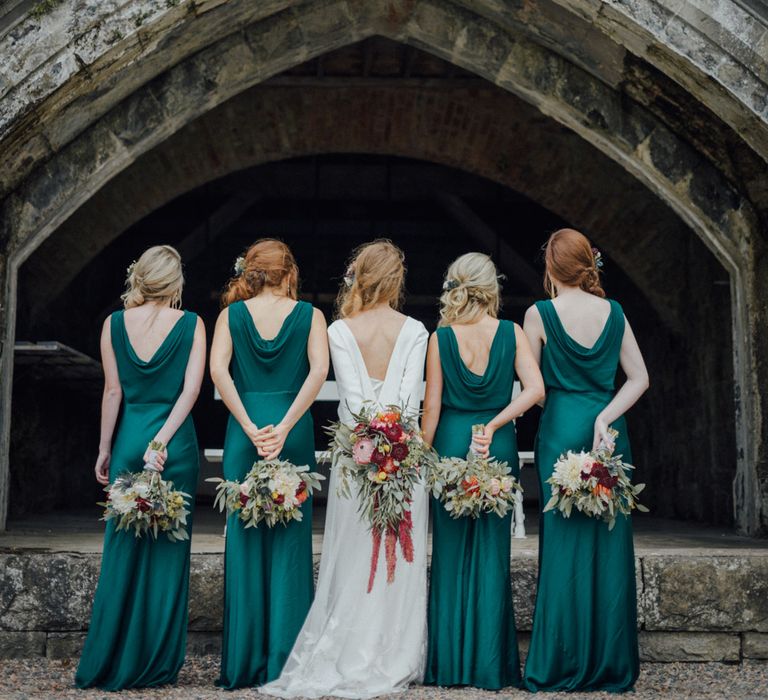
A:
(472, 636)
(138, 629)
(268, 585)
(585, 622)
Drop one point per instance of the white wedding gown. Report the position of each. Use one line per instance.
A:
(356, 644)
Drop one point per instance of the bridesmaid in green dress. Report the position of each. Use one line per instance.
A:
(471, 365)
(277, 351)
(585, 621)
(154, 359)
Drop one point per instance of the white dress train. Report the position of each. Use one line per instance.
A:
(356, 644)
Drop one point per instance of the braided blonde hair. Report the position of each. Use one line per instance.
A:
(471, 289)
(156, 276)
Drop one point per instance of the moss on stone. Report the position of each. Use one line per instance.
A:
(43, 7)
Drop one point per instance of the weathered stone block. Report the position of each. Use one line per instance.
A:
(64, 645)
(206, 592)
(46, 590)
(688, 646)
(17, 645)
(524, 572)
(203, 643)
(754, 645)
(726, 593)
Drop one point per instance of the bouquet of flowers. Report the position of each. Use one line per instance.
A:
(475, 485)
(143, 502)
(271, 492)
(595, 483)
(383, 455)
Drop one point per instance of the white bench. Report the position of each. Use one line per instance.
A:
(329, 392)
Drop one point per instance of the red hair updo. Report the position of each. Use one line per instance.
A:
(570, 259)
(267, 263)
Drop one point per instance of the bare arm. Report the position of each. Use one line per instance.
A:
(193, 378)
(221, 355)
(110, 403)
(317, 354)
(528, 371)
(634, 387)
(533, 327)
(433, 396)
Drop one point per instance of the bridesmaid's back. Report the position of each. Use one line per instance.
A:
(570, 366)
(159, 378)
(274, 364)
(464, 389)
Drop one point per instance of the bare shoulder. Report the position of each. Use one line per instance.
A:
(223, 316)
(318, 316)
(170, 314)
(532, 315)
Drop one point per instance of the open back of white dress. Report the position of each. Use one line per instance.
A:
(356, 644)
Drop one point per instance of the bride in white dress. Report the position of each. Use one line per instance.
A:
(356, 644)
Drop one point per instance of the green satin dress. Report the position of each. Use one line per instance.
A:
(585, 622)
(268, 584)
(138, 629)
(472, 637)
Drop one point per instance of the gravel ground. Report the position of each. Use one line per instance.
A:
(25, 679)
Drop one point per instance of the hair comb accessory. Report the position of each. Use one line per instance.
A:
(239, 265)
(598, 257)
(349, 277)
(450, 284)
(129, 270)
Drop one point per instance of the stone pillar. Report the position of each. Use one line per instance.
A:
(7, 336)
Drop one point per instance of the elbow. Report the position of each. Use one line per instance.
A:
(536, 392)
(217, 374)
(113, 392)
(320, 371)
(193, 392)
(646, 383)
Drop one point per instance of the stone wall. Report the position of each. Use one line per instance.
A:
(698, 607)
(673, 93)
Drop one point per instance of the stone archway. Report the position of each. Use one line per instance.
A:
(99, 138)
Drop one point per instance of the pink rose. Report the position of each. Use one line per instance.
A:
(362, 451)
(494, 486)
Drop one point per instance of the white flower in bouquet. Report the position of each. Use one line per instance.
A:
(285, 484)
(568, 470)
(123, 501)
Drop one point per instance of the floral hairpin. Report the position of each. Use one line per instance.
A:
(450, 284)
(349, 277)
(240, 265)
(598, 257)
(129, 270)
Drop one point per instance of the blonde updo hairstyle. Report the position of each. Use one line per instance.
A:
(570, 259)
(267, 263)
(375, 274)
(156, 276)
(471, 289)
